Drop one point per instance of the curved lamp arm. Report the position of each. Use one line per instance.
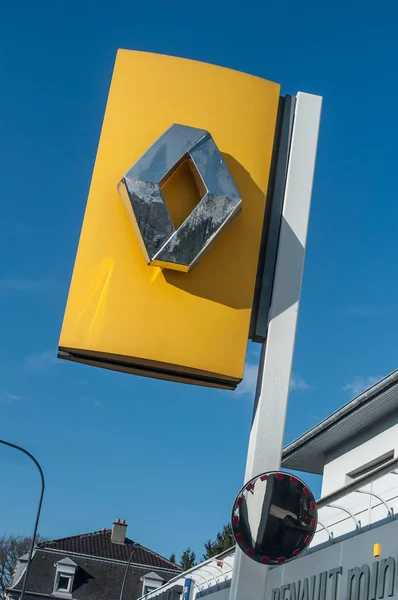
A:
(25, 579)
(127, 570)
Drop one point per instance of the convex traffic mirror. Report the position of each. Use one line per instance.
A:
(274, 518)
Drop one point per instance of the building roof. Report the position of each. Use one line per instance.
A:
(96, 578)
(308, 452)
(99, 544)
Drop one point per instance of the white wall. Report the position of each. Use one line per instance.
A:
(357, 452)
(218, 595)
(352, 455)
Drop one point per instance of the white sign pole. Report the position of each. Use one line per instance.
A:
(267, 432)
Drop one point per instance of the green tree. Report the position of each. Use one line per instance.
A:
(188, 559)
(224, 540)
(172, 559)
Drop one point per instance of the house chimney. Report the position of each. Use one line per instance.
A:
(118, 532)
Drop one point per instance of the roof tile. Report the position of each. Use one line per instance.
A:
(99, 544)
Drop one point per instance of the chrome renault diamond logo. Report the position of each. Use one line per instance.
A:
(141, 193)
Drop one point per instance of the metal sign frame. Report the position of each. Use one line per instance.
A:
(270, 407)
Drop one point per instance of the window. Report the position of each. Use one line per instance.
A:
(65, 571)
(148, 589)
(370, 466)
(64, 583)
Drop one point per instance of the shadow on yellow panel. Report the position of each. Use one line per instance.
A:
(209, 279)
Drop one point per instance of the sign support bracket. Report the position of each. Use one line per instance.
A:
(270, 406)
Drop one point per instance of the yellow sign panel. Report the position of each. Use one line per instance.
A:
(125, 314)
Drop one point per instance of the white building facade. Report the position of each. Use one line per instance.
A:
(354, 553)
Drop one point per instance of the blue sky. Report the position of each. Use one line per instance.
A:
(170, 458)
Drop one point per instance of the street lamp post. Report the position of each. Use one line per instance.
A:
(127, 570)
(25, 579)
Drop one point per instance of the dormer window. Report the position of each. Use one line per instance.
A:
(64, 578)
(151, 581)
(64, 583)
